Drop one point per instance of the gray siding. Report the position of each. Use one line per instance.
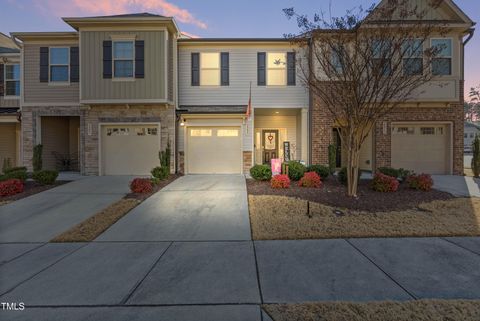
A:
(94, 87)
(42, 92)
(9, 102)
(243, 70)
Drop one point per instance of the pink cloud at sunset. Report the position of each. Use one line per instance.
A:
(64, 8)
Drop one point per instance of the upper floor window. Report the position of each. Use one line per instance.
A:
(382, 60)
(210, 69)
(59, 64)
(123, 59)
(276, 69)
(337, 57)
(12, 80)
(442, 63)
(413, 57)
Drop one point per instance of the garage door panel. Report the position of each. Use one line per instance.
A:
(8, 143)
(214, 150)
(130, 149)
(423, 148)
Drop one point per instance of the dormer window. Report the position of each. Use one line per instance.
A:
(59, 64)
(123, 59)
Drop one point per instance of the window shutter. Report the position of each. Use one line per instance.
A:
(44, 64)
(195, 69)
(291, 69)
(225, 68)
(2, 80)
(261, 68)
(107, 59)
(74, 65)
(139, 59)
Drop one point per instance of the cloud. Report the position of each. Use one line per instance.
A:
(110, 7)
(189, 35)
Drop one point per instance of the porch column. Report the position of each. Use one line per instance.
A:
(304, 134)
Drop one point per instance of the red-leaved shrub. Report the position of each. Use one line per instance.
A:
(423, 182)
(310, 179)
(280, 181)
(385, 184)
(141, 185)
(11, 187)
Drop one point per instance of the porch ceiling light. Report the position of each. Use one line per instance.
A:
(182, 123)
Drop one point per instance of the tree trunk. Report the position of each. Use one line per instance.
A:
(353, 155)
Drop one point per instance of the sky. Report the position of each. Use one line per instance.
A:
(207, 18)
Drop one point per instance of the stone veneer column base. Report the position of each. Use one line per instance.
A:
(247, 162)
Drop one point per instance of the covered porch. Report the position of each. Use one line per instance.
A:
(280, 133)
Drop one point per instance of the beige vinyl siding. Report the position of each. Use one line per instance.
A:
(54, 140)
(171, 62)
(243, 70)
(94, 87)
(43, 92)
(287, 126)
(8, 143)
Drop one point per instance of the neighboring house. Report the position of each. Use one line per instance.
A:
(107, 97)
(469, 132)
(10, 88)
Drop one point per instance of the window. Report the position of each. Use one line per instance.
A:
(123, 59)
(427, 130)
(118, 131)
(210, 69)
(337, 59)
(146, 131)
(439, 130)
(412, 57)
(12, 80)
(465, 136)
(442, 63)
(382, 60)
(276, 69)
(227, 133)
(59, 64)
(405, 130)
(200, 132)
(472, 135)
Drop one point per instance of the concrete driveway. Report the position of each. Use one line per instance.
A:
(42, 216)
(460, 186)
(193, 208)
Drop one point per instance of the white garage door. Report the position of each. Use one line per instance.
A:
(422, 148)
(130, 149)
(8, 145)
(214, 150)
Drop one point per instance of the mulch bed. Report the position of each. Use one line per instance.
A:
(30, 188)
(156, 188)
(421, 310)
(333, 193)
(92, 227)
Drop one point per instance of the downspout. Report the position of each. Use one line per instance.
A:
(471, 32)
(310, 105)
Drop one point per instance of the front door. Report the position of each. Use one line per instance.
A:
(270, 145)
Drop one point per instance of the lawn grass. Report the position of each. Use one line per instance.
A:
(92, 227)
(422, 310)
(285, 218)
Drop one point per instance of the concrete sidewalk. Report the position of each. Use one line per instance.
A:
(186, 281)
(40, 217)
(460, 186)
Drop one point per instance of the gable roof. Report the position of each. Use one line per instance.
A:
(7, 45)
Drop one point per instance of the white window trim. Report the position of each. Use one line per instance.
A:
(10, 97)
(219, 69)
(421, 57)
(449, 57)
(58, 83)
(285, 68)
(119, 39)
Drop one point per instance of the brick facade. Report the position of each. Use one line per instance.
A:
(90, 118)
(247, 161)
(323, 124)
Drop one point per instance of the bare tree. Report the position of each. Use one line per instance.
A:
(366, 63)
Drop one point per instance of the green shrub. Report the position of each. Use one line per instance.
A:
(384, 183)
(15, 169)
(160, 172)
(332, 158)
(389, 171)
(321, 170)
(164, 156)
(18, 174)
(403, 174)
(476, 156)
(342, 175)
(261, 172)
(296, 170)
(45, 177)
(37, 158)
(7, 164)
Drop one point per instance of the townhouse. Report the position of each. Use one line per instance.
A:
(106, 98)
